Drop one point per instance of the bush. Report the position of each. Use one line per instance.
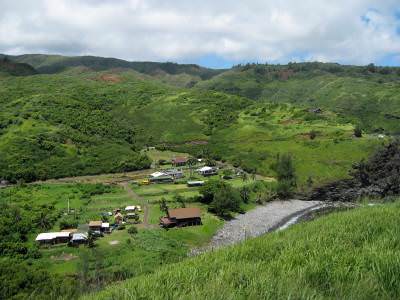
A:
(225, 200)
(68, 222)
(286, 174)
(358, 131)
(132, 230)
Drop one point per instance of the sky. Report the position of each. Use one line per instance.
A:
(216, 33)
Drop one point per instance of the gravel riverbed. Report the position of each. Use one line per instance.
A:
(256, 222)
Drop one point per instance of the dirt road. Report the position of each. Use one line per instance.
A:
(131, 193)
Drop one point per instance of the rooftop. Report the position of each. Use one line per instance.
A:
(95, 223)
(51, 235)
(179, 159)
(185, 213)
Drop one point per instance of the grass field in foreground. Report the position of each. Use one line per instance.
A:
(356, 257)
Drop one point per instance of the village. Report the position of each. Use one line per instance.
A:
(173, 175)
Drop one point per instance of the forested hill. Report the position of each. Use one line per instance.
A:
(50, 64)
(15, 69)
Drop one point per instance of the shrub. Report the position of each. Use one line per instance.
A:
(358, 131)
(286, 174)
(225, 200)
(132, 230)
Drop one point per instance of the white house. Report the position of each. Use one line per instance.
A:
(130, 208)
(207, 171)
(53, 237)
(160, 177)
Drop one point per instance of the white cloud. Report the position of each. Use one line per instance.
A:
(358, 31)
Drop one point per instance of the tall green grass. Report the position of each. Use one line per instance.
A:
(348, 255)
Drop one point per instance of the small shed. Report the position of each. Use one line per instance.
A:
(95, 225)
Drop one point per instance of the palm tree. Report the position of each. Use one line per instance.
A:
(164, 206)
(191, 163)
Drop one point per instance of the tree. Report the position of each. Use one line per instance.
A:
(226, 199)
(164, 206)
(209, 189)
(357, 131)
(245, 194)
(132, 230)
(286, 175)
(191, 163)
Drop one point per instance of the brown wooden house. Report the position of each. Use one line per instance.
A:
(179, 161)
(181, 217)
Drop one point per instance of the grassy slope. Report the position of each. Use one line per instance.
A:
(93, 122)
(357, 257)
(171, 73)
(264, 130)
(371, 99)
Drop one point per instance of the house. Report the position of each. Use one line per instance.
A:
(51, 238)
(179, 161)
(175, 173)
(195, 183)
(181, 217)
(160, 177)
(95, 225)
(105, 227)
(130, 208)
(79, 238)
(118, 218)
(207, 171)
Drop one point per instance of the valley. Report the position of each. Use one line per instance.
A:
(84, 138)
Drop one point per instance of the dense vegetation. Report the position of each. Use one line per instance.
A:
(356, 257)
(16, 69)
(367, 95)
(85, 122)
(50, 64)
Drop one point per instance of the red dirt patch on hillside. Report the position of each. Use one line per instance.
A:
(110, 78)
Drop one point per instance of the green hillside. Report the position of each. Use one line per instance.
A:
(356, 257)
(96, 122)
(8, 67)
(176, 74)
(367, 95)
